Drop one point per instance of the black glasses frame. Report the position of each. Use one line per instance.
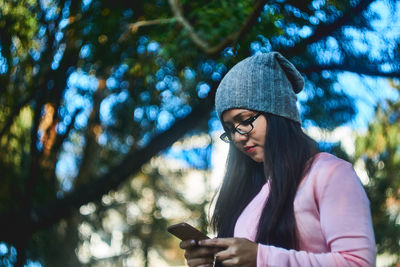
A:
(227, 135)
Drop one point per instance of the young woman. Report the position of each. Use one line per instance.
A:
(282, 202)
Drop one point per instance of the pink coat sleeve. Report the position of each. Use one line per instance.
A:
(345, 222)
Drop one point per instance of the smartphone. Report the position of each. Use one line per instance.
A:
(185, 231)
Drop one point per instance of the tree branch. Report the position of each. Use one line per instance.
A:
(359, 69)
(176, 10)
(45, 216)
(133, 27)
(115, 176)
(326, 29)
(230, 39)
(61, 138)
(91, 148)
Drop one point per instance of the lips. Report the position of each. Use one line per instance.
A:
(249, 149)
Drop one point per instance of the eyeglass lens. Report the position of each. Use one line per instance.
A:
(244, 127)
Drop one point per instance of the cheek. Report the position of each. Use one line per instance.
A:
(262, 141)
(260, 137)
(262, 133)
(237, 145)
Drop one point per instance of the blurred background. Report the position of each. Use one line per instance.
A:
(107, 127)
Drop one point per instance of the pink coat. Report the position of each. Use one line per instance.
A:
(332, 216)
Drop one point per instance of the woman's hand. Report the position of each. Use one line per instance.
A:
(198, 256)
(236, 251)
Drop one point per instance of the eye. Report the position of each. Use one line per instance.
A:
(229, 130)
(247, 122)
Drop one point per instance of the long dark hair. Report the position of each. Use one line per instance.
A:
(288, 155)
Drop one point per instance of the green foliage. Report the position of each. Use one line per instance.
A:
(379, 149)
(14, 163)
(18, 21)
(215, 19)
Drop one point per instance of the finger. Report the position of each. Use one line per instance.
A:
(200, 262)
(224, 255)
(230, 262)
(217, 242)
(188, 244)
(200, 252)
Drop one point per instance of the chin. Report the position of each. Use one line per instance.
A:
(258, 159)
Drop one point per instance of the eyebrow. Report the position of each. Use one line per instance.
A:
(237, 117)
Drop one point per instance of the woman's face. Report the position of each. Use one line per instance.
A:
(252, 144)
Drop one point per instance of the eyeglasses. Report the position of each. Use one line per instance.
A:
(243, 128)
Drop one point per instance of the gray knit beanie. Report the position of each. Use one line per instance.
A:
(266, 82)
